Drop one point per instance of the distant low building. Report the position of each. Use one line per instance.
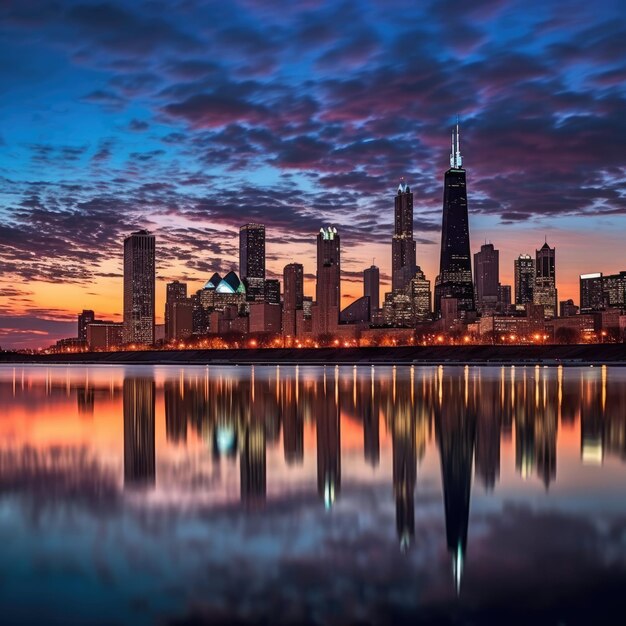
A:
(73, 344)
(357, 311)
(567, 308)
(105, 335)
(265, 318)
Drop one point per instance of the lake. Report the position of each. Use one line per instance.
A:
(382, 495)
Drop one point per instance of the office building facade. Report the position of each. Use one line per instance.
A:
(402, 244)
(139, 288)
(455, 266)
(252, 260)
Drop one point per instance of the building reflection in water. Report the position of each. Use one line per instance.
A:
(371, 418)
(455, 428)
(328, 438)
(401, 414)
(237, 418)
(139, 445)
(293, 421)
(488, 433)
(536, 425)
(252, 463)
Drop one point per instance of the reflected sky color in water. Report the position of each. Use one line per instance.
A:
(321, 495)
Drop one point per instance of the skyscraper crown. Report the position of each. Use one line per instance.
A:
(403, 187)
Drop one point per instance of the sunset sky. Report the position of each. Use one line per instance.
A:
(190, 118)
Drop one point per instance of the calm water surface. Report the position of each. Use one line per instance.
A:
(312, 495)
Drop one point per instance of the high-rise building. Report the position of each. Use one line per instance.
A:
(545, 280)
(487, 277)
(524, 267)
(293, 284)
(252, 260)
(293, 297)
(614, 286)
(409, 306)
(328, 287)
(139, 288)
(84, 318)
(418, 290)
(371, 287)
(455, 266)
(504, 298)
(174, 292)
(402, 244)
(272, 291)
(591, 292)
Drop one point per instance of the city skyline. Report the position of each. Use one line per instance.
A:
(295, 117)
(139, 317)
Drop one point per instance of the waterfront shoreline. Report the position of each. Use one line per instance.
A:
(590, 354)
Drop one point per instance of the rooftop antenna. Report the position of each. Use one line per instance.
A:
(456, 160)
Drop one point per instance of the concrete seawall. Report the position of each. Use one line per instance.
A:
(614, 354)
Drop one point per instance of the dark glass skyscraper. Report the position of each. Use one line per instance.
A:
(455, 266)
(402, 244)
(371, 287)
(139, 287)
(175, 292)
(252, 260)
(524, 267)
(487, 277)
(591, 292)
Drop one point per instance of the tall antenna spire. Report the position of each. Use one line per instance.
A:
(456, 160)
(452, 151)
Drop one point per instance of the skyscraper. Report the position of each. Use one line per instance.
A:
(174, 292)
(371, 287)
(252, 260)
(504, 298)
(272, 291)
(614, 287)
(84, 318)
(591, 292)
(545, 280)
(419, 292)
(293, 296)
(328, 291)
(524, 267)
(487, 277)
(455, 267)
(402, 244)
(139, 287)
